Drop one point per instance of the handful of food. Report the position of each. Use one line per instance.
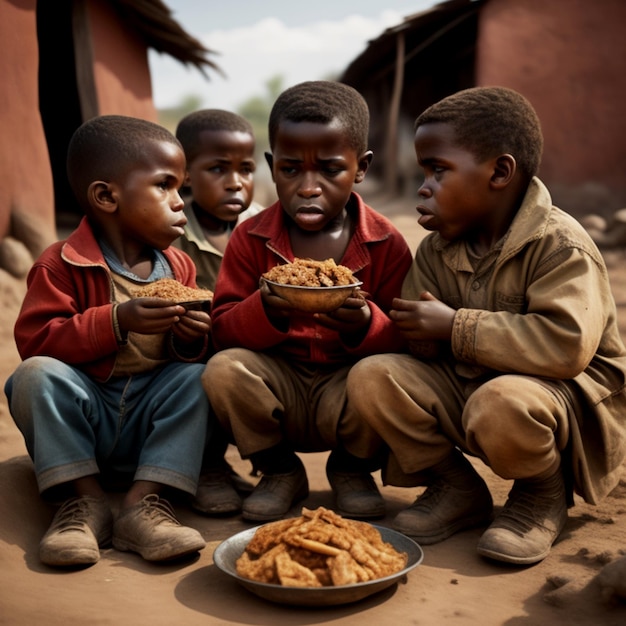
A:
(310, 273)
(318, 549)
(171, 289)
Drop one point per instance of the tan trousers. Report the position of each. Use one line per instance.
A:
(516, 424)
(262, 400)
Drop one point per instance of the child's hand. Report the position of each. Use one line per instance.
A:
(193, 325)
(424, 319)
(352, 317)
(275, 306)
(148, 316)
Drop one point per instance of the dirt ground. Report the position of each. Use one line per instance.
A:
(453, 585)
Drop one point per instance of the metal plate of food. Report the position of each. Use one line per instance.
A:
(192, 298)
(228, 552)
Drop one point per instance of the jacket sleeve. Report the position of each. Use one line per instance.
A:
(52, 321)
(566, 311)
(238, 316)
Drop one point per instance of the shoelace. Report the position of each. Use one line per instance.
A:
(523, 511)
(278, 483)
(356, 482)
(72, 515)
(159, 509)
(431, 497)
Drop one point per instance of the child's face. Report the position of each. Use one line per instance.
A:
(221, 176)
(148, 206)
(314, 169)
(455, 197)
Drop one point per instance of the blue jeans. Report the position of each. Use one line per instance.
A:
(152, 426)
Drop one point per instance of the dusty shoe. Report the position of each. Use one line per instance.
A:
(150, 528)
(240, 484)
(443, 510)
(76, 533)
(356, 495)
(275, 494)
(530, 522)
(216, 493)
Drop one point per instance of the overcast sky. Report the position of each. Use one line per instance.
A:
(259, 39)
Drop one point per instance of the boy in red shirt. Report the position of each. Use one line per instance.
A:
(277, 383)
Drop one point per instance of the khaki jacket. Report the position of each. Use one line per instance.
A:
(542, 307)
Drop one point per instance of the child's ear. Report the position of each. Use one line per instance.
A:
(504, 170)
(364, 162)
(102, 197)
(269, 158)
(187, 180)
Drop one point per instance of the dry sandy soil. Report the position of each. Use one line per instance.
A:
(453, 585)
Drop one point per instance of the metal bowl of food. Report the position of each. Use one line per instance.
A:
(313, 299)
(226, 555)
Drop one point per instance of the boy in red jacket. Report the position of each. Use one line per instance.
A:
(110, 383)
(282, 372)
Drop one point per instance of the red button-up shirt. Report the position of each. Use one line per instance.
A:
(377, 254)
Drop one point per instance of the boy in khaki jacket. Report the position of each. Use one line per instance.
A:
(517, 357)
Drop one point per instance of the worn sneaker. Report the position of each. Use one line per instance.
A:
(530, 522)
(443, 510)
(150, 528)
(217, 493)
(79, 528)
(356, 495)
(275, 494)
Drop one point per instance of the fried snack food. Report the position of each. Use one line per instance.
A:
(171, 289)
(318, 549)
(310, 273)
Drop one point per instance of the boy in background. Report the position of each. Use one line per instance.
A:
(109, 387)
(282, 372)
(219, 149)
(517, 357)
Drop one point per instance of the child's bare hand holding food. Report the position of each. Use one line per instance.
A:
(149, 316)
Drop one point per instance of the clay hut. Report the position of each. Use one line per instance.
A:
(565, 56)
(62, 63)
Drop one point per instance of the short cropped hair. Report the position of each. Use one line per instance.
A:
(322, 102)
(107, 148)
(189, 128)
(489, 121)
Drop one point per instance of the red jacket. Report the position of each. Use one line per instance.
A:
(377, 254)
(66, 313)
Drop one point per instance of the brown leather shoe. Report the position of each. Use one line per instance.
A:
(275, 494)
(443, 510)
(356, 495)
(534, 515)
(217, 493)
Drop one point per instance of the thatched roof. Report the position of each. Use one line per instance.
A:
(420, 30)
(153, 21)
